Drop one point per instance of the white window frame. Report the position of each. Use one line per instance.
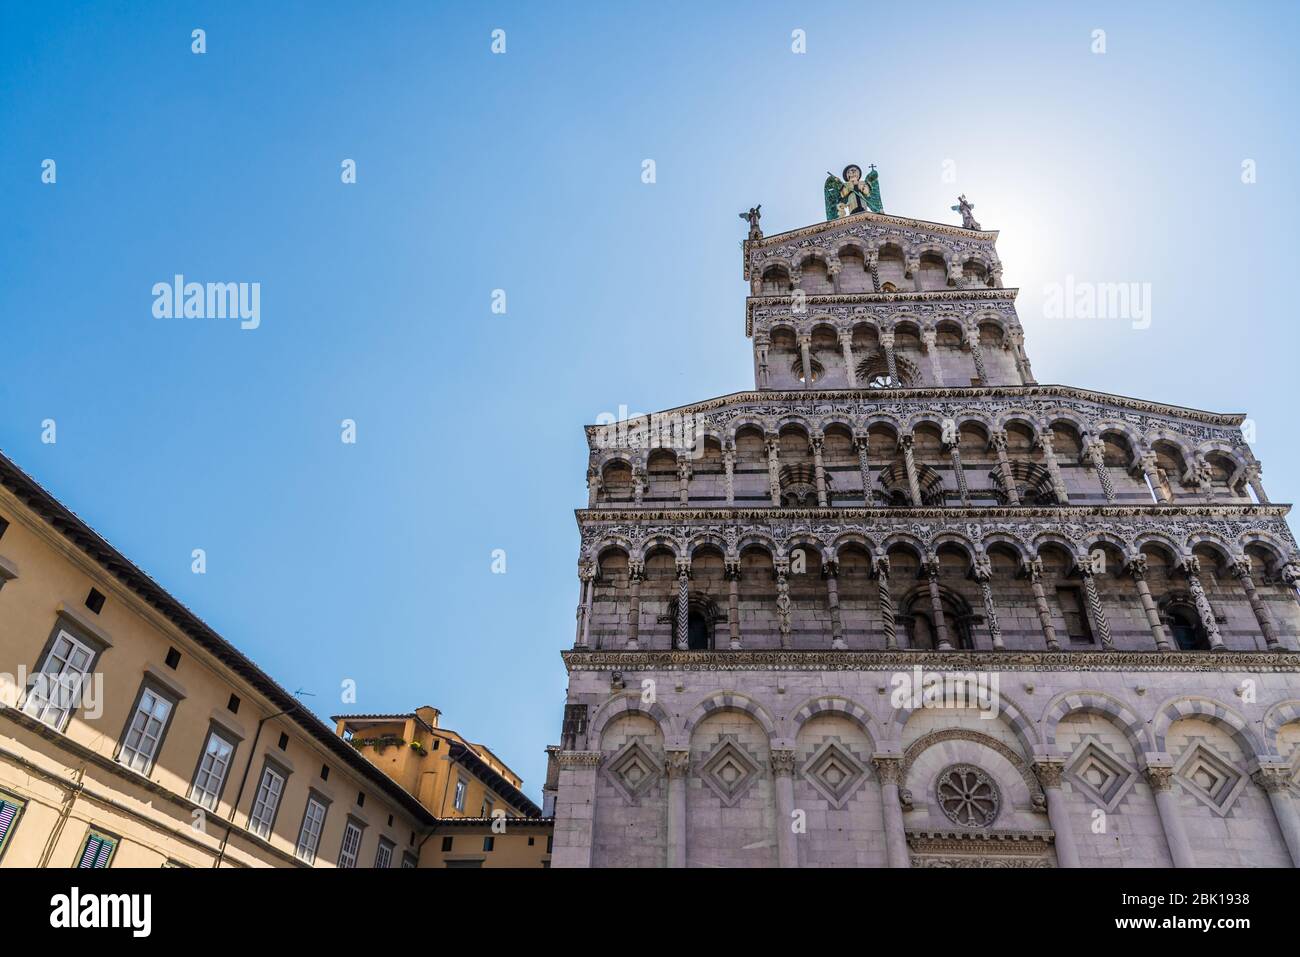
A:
(204, 792)
(458, 800)
(384, 855)
(147, 729)
(311, 829)
(266, 803)
(55, 689)
(350, 849)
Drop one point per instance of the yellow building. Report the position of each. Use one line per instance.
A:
(483, 819)
(133, 735)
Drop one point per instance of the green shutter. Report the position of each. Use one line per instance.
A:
(10, 809)
(97, 852)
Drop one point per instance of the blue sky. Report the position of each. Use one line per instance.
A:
(521, 172)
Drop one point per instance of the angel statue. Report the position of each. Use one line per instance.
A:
(752, 217)
(852, 194)
(964, 207)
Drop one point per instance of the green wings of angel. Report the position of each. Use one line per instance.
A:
(852, 194)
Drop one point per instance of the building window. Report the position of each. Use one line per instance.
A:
(211, 776)
(95, 601)
(97, 852)
(55, 689)
(267, 803)
(145, 730)
(384, 856)
(409, 861)
(458, 802)
(351, 845)
(11, 809)
(313, 823)
(446, 844)
(550, 842)
(486, 809)
(489, 842)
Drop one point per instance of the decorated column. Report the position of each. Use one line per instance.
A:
(782, 570)
(683, 479)
(774, 469)
(846, 344)
(973, 342)
(889, 769)
(886, 604)
(729, 478)
(1094, 453)
(905, 443)
(1137, 567)
(891, 363)
(805, 347)
(941, 634)
(930, 339)
(1191, 569)
(1049, 773)
(817, 443)
(998, 439)
(1034, 571)
(635, 575)
(954, 453)
(982, 571)
(787, 851)
(1154, 475)
(733, 601)
(831, 571)
(864, 466)
(1092, 597)
(1241, 570)
(682, 639)
(1046, 443)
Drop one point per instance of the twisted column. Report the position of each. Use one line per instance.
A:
(1241, 571)
(886, 604)
(973, 341)
(873, 265)
(1137, 567)
(682, 641)
(982, 571)
(954, 453)
(1034, 570)
(864, 466)
(1094, 452)
(1095, 611)
(998, 439)
(905, 442)
(1191, 567)
(891, 362)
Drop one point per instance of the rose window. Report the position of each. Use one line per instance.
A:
(968, 796)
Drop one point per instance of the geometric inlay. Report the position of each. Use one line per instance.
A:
(728, 770)
(967, 795)
(1100, 773)
(834, 772)
(1210, 779)
(632, 770)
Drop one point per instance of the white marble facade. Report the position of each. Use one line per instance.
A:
(1094, 591)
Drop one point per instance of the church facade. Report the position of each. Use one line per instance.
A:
(902, 605)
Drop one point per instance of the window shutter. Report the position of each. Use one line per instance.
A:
(8, 814)
(97, 852)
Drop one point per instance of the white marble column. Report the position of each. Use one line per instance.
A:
(1241, 571)
(679, 763)
(1049, 773)
(889, 769)
(1137, 567)
(787, 851)
(1160, 778)
(1273, 779)
(846, 345)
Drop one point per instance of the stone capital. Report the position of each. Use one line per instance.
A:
(782, 761)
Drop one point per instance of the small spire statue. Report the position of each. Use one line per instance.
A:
(964, 207)
(752, 217)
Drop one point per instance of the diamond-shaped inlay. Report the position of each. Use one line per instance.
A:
(1209, 778)
(834, 772)
(728, 770)
(1101, 773)
(632, 770)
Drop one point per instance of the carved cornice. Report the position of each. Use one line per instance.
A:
(889, 661)
(947, 513)
(834, 400)
(578, 759)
